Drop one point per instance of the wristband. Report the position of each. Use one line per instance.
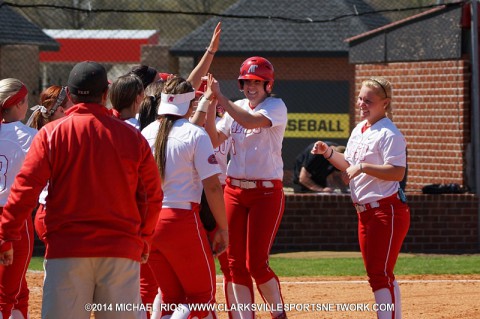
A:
(202, 105)
(331, 154)
(210, 51)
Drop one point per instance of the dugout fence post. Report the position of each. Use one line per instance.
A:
(475, 105)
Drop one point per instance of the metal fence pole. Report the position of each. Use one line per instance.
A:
(475, 103)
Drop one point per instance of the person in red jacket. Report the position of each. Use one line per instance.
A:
(104, 197)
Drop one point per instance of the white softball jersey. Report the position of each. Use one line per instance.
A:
(189, 160)
(15, 141)
(256, 154)
(133, 122)
(381, 144)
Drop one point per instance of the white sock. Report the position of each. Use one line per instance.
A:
(181, 312)
(271, 293)
(230, 298)
(398, 300)
(16, 314)
(243, 296)
(156, 311)
(383, 297)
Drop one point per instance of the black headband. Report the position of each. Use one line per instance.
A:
(60, 98)
(381, 85)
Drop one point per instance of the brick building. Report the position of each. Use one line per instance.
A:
(426, 58)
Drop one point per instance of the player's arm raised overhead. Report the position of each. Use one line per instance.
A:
(195, 77)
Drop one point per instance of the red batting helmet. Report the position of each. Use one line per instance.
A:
(257, 68)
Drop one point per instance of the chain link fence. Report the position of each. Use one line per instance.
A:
(170, 19)
(320, 106)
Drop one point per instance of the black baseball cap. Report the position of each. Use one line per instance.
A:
(88, 78)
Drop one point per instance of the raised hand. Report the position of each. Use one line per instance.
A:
(320, 148)
(215, 41)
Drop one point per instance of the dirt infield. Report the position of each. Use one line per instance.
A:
(424, 297)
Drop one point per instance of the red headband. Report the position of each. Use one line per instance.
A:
(16, 98)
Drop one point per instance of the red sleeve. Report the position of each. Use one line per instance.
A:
(6, 246)
(149, 193)
(26, 188)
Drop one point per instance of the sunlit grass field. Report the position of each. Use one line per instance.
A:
(291, 265)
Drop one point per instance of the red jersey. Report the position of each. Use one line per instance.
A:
(104, 192)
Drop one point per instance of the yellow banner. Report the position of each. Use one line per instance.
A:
(318, 125)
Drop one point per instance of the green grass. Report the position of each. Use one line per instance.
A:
(36, 263)
(406, 265)
(417, 265)
(286, 267)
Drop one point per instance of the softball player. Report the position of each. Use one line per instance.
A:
(185, 158)
(126, 94)
(216, 112)
(375, 161)
(15, 140)
(53, 104)
(254, 195)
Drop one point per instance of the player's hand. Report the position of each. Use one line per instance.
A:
(144, 258)
(220, 242)
(319, 148)
(208, 91)
(6, 257)
(213, 86)
(145, 252)
(215, 41)
(327, 190)
(353, 171)
(320, 189)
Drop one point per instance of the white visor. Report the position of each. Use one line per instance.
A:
(175, 104)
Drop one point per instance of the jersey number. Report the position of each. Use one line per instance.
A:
(3, 172)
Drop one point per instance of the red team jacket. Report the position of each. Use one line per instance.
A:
(104, 193)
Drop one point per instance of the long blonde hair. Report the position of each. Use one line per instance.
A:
(8, 88)
(384, 89)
